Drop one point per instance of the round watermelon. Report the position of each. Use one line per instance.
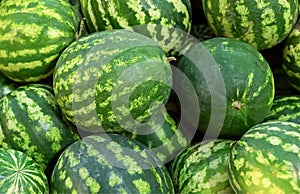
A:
(234, 84)
(31, 121)
(291, 57)
(19, 173)
(33, 33)
(112, 81)
(202, 168)
(109, 164)
(267, 159)
(261, 23)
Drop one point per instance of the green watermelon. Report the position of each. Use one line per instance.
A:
(261, 23)
(31, 121)
(165, 21)
(234, 85)
(6, 85)
(109, 164)
(202, 168)
(19, 173)
(291, 57)
(285, 108)
(112, 80)
(33, 33)
(267, 159)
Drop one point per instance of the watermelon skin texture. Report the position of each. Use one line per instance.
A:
(33, 33)
(108, 79)
(109, 164)
(202, 168)
(19, 173)
(262, 24)
(267, 159)
(285, 108)
(248, 82)
(291, 55)
(31, 122)
(168, 22)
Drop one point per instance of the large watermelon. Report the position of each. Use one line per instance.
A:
(202, 168)
(291, 57)
(31, 121)
(112, 80)
(109, 164)
(19, 173)
(166, 21)
(261, 23)
(33, 33)
(234, 85)
(267, 159)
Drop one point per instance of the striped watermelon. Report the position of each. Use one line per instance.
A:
(31, 121)
(261, 23)
(112, 80)
(162, 20)
(234, 94)
(267, 159)
(291, 57)
(109, 164)
(202, 168)
(285, 108)
(21, 174)
(33, 33)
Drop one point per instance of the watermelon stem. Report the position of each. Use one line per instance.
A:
(236, 105)
(81, 27)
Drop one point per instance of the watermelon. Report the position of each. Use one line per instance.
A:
(19, 173)
(261, 23)
(285, 108)
(267, 159)
(202, 168)
(109, 164)
(112, 81)
(291, 57)
(165, 21)
(33, 33)
(234, 84)
(31, 121)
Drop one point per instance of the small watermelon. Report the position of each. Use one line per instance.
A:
(261, 23)
(267, 159)
(31, 121)
(202, 168)
(234, 84)
(109, 164)
(33, 33)
(19, 173)
(112, 80)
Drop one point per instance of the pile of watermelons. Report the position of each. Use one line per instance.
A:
(149, 96)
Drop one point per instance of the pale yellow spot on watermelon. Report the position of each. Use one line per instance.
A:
(54, 136)
(3, 54)
(83, 173)
(114, 180)
(93, 185)
(51, 59)
(69, 183)
(74, 192)
(74, 161)
(48, 49)
(215, 163)
(62, 175)
(261, 4)
(22, 53)
(262, 159)
(142, 186)
(18, 67)
(266, 182)
(238, 163)
(253, 177)
(53, 33)
(154, 12)
(274, 140)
